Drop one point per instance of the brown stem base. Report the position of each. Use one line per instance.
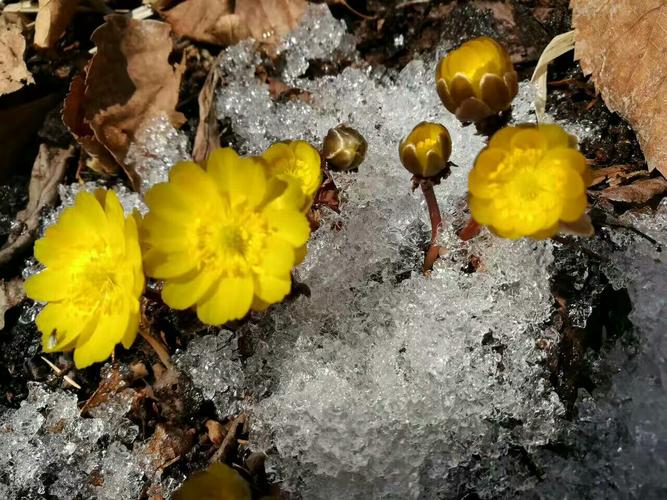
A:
(436, 224)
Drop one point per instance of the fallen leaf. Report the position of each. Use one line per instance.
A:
(52, 20)
(225, 22)
(616, 175)
(129, 81)
(11, 295)
(207, 137)
(73, 116)
(165, 445)
(14, 73)
(47, 173)
(622, 45)
(638, 192)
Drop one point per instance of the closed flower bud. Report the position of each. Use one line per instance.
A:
(477, 80)
(344, 148)
(425, 151)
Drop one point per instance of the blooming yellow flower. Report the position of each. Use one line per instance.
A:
(92, 281)
(224, 237)
(528, 181)
(477, 80)
(425, 151)
(297, 161)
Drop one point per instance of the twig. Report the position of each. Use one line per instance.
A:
(230, 442)
(157, 346)
(58, 371)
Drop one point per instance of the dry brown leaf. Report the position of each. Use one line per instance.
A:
(52, 20)
(11, 295)
(207, 137)
(47, 173)
(225, 22)
(129, 82)
(623, 45)
(14, 73)
(638, 192)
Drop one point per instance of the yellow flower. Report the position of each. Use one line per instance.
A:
(92, 281)
(528, 181)
(425, 151)
(297, 161)
(217, 482)
(223, 238)
(477, 80)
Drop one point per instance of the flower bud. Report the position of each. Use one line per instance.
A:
(477, 80)
(425, 151)
(344, 148)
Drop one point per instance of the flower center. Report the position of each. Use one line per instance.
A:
(231, 241)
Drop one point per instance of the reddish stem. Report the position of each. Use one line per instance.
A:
(471, 229)
(436, 224)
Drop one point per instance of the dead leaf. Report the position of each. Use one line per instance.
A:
(622, 44)
(225, 22)
(14, 73)
(47, 173)
(129, 82)
(165, 446)
(73, 116)
(52, 20)
(11, 295)
(207, 137)
(616, 175)
(638, 192)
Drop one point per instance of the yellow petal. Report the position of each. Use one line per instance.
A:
(243, 179)
(131, 331)
(90, 210)
(109, 331)
(284, 195)
(482, 210)
(289, 225)
(277, 258)
(566, 157)
(503, 138)
(185, 292)
(555, 135)
(133, 254)
(47, 286)
(164, 266)
(169, 202)
(164, 234)
(485, 179)
(230, 300)
(61, 324)
(528, 138)
(574, 208)
(115, 216)
(272, 289)
(196, 185)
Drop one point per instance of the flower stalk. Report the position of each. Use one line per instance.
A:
(433, 251)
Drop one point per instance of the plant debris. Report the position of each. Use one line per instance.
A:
(622, 45)
(14, 73)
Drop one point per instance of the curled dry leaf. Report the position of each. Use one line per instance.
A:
(225, 22)
(11, 295)
(14, 73)
(622, 44)
(207, 137)
(52, 20)
(47, 173)
(639, 192)
(128, 82)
